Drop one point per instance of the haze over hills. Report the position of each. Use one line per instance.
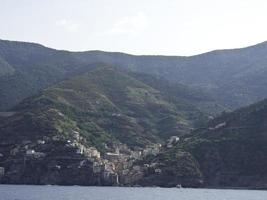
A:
(233, 78)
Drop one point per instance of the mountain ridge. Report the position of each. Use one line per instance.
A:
(239, 73)
(259, 44)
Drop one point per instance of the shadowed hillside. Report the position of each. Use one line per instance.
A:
(231, 149)
(232, 78)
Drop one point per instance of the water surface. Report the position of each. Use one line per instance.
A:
(22, 192)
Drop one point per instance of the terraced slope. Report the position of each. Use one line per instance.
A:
(104, 104)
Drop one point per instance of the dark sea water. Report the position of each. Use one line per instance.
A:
(14, 192)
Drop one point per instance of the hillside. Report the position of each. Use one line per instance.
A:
(103, 104)
(231, 149)
(234, 77)
(27, 68)
(78, 100)
(65, 128)
(182, 93)
(231, 78)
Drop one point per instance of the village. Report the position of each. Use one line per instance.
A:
(116, 166)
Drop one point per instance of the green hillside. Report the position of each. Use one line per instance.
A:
(104, 104)
(182, 93)
(231, 149)
(27, 68)
(231, 78)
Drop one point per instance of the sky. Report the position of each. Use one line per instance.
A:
(150, 27)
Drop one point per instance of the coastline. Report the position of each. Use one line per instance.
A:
(139, 186)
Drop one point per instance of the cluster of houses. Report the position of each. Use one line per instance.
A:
(114, 166)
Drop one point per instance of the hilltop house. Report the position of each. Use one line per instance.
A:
(172, 141)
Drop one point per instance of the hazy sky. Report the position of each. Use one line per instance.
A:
(171, 27)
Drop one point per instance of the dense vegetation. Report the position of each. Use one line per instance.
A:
(104, 104)
(232, 78)
(231, 149)
(177, 167)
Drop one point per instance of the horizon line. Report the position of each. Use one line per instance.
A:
(131, 54)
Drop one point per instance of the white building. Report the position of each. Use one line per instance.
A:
(30, 152)
(112, 156)
(92, 153)
(40, 142)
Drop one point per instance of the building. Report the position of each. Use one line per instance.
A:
(109, 166)
(25, 142)
(152, 149)
(76, 135)
(40, 142)
(173, 141)
(218, 126)
(112, 156)
(146, 165)
(111, 177)
(33, 153)
(125, 171)
(92, 153)
(39, 155)
(136, 154)
(137, 168)
(14, 151)
(2, 171)
(30, 152)
(97, 167)
(56, 138)
(80, 150)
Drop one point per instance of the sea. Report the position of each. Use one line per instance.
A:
(29, 192)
